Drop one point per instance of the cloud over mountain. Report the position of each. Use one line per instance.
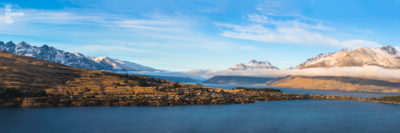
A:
(381, 62)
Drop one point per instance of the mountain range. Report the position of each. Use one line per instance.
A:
(52, 54)
(386, 57)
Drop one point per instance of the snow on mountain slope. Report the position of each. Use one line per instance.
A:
(71, 59)
(253, 65)
(387, 57)
(122, 65)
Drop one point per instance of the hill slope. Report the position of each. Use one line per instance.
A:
(28, 73)
(338, 83)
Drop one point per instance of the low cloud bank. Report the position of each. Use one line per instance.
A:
(365, 71)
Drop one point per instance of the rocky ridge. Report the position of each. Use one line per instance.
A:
(52, 54)
(386, 57)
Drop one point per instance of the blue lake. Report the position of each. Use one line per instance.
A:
(271, 116)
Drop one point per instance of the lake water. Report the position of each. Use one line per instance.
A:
(271, 116)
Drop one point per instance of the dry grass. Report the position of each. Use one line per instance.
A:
(27, 73)
(339, 83)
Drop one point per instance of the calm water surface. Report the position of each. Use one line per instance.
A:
(272, 116)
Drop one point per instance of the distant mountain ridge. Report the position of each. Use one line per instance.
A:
(253, 65)
(52, 54)
(386, 57)
(240, 80)
(122, 65)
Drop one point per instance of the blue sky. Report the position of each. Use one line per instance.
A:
(182, 35)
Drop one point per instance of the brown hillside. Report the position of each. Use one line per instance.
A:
(30, 74)
(339, 83)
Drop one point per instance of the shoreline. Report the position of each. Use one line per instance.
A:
(249, 97)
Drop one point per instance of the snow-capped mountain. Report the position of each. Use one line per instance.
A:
(387, 57)
(122, 65)
(71, 59)
(253, 65)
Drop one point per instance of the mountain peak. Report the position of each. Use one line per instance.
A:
(389, 49)
(45, 46)
(253, 60)
(386, 57)
(10, 43)
(253, 65)
(23, 44)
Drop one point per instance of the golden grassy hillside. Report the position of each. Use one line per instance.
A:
(339, 83)
(30, 74)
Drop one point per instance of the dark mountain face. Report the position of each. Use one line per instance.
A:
(9, 46)
(390, 49)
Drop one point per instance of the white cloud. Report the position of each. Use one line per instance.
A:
(161, 40)
(59, 17)
(265, 29)
(9, 14)
(263, 19)
(276, 8)
(164, 24)
(280, 22)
